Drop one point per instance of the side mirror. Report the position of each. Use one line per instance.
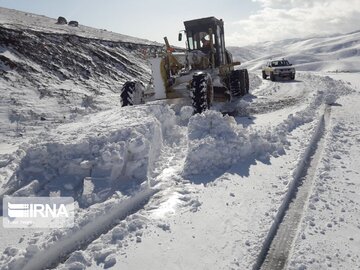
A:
(180, 37)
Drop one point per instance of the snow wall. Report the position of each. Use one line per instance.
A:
(111, 150)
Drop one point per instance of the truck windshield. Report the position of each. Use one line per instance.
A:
(280, 63)
(197, 40)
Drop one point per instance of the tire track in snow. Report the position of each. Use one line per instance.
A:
(273, 96)
(277, 246)
(59, 250)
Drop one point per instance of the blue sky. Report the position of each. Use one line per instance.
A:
(246, 21)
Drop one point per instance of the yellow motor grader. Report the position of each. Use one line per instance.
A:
(204, 72)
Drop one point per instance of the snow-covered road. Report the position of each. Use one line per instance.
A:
(220, 182)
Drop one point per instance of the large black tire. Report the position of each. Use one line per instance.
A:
(202, 92)
(292, 77)
(239, 82)
(127, 93)
(132, 93)
(272, 76)
(264, 76)
(247, 82)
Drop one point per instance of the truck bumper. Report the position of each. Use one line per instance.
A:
(285, 74)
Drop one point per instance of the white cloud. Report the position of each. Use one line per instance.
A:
(282, 19)
(288, 3)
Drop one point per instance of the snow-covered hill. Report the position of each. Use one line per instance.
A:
(18, 20)
(337, 53)
(156, 187)
(52, 72)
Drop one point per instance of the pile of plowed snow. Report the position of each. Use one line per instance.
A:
(217, 142)
(88, 159)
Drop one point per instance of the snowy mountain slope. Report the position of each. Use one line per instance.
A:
(54, 75)
(157, 187)
(18, 20)
(329, 54)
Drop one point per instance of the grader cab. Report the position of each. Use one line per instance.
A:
(204, 72)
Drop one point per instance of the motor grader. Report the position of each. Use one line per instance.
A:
(203, 73)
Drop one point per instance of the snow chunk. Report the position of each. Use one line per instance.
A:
(109, 262)
(77, 260)
(119, 233)
(186, 112)
(28, 190)
(138, 144)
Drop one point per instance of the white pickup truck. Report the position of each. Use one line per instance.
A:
(278, 68)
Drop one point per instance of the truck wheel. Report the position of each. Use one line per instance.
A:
(247, 82)
(132, 93)
(238, 82)
(292, 76)
(202, 92)
(272, 76)
(264, 76)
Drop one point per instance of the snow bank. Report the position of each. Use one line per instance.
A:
(111, 150)
(216, 142)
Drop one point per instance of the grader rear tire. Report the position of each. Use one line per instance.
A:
(272, 76)
(239, 82)
(247, 81)
(264, 76)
